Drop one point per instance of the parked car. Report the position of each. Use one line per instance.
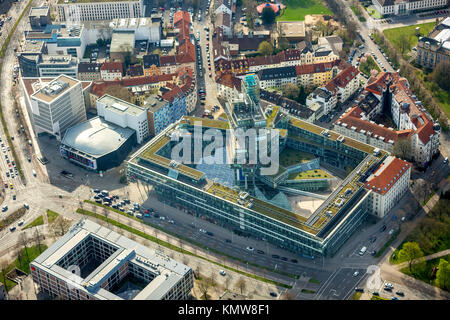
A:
(251, 249)
(222, 273)
(273, 294)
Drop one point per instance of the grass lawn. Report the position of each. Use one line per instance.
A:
(368, 65)
(308, 291)
(310, 174)
(51, 216)
(425, 274)
(440, 94)
(394, 34)
(432, 233)
(374, 13)
(24, 264)
(298, 9)
(356, 296)
(374, 297)
(289, 157)
(312, 280)
(36, 222)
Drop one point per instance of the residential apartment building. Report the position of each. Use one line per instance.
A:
(105, 259)
(435, 47)
(388, 93)
(228, 86)
(321, 96)
(57, 106)
(89, 71)
(402, 7)
(99, 10)
(388, 184)
(277, 77)
(124, 114)
(316, 75)
(111, 71)
(223, 21)
(151, 65)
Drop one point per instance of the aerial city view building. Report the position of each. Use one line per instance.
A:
(224, 150)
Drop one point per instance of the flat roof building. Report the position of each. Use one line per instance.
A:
(97, 144)
(39, 16)
(122, 42)
(57, 106)
(293, 31)
(124, 114)
(91, 262)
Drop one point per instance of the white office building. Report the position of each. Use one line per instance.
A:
(124, 114)
(89, 10)
(57, 106)
(400, 7)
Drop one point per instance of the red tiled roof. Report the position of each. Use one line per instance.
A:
(112, 67)
(181, 15)
(167, 60)
(425, 132)
(342, 79)
(170, 95)
(389, 172)
(229, 80)
(353, 120)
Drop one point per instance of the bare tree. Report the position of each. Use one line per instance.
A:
(204, 285)
(402, 148)
(227, 282)
(38, 239)
(241, 284)
(23, 239)
(197, 272)
(60, 226)
(288, 295)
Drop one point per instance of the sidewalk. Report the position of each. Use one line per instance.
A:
(426, 258)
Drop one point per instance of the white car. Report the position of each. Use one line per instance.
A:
(391, 232)
(251, 249)
(202, 230)
(222, 273)
(356, 273)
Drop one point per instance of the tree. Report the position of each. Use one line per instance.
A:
(227, 282)
(23, 240)
(3, 271)
(204, 285)
(265, 48)
(120, 92)
(291, 91)
(60, 226)
(402, 148)
(288, 295)
(241, 284)
(268, 16)
(38, 239)
(440, 75)
(409, 252)
(443, 274)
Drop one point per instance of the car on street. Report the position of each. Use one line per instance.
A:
(373, 239)
(275, 256)
(400, 293)
(356, 273)
(156, 215)
(222, 273)
(12, 229)
(294, 260)
(394, 298)
(209, 233)
(391, 232)
(260, 251)
(146, 215)
(227, 240)
(202, 230)
(359, 289)
(284, 258)
(4, 208)
(273, 294)
(251, 249)
(383, 228)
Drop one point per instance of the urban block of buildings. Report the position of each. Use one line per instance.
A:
(91, 262)
(390, 94)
